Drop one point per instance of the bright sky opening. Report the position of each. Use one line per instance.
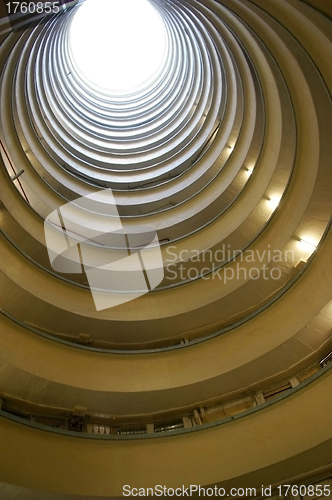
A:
(117, 44)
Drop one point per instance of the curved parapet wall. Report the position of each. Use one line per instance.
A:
(89, 467)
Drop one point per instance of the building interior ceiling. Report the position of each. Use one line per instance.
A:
(221, 374)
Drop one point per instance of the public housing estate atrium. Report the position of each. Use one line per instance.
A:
(220, 375)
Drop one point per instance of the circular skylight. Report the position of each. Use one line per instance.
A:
(117, 45)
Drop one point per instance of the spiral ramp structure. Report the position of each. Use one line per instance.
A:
(221, 374)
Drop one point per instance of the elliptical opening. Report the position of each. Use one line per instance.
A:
(117, 46)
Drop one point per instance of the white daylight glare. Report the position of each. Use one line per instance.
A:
(117, 44)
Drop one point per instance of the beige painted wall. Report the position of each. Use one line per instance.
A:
(51, 462)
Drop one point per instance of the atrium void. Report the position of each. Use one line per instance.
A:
(117, 46)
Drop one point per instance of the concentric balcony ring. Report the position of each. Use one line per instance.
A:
(197, 194)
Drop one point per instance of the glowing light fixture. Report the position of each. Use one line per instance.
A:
(249, 170)
(117, 45)
(307, 246)
(274, 201)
